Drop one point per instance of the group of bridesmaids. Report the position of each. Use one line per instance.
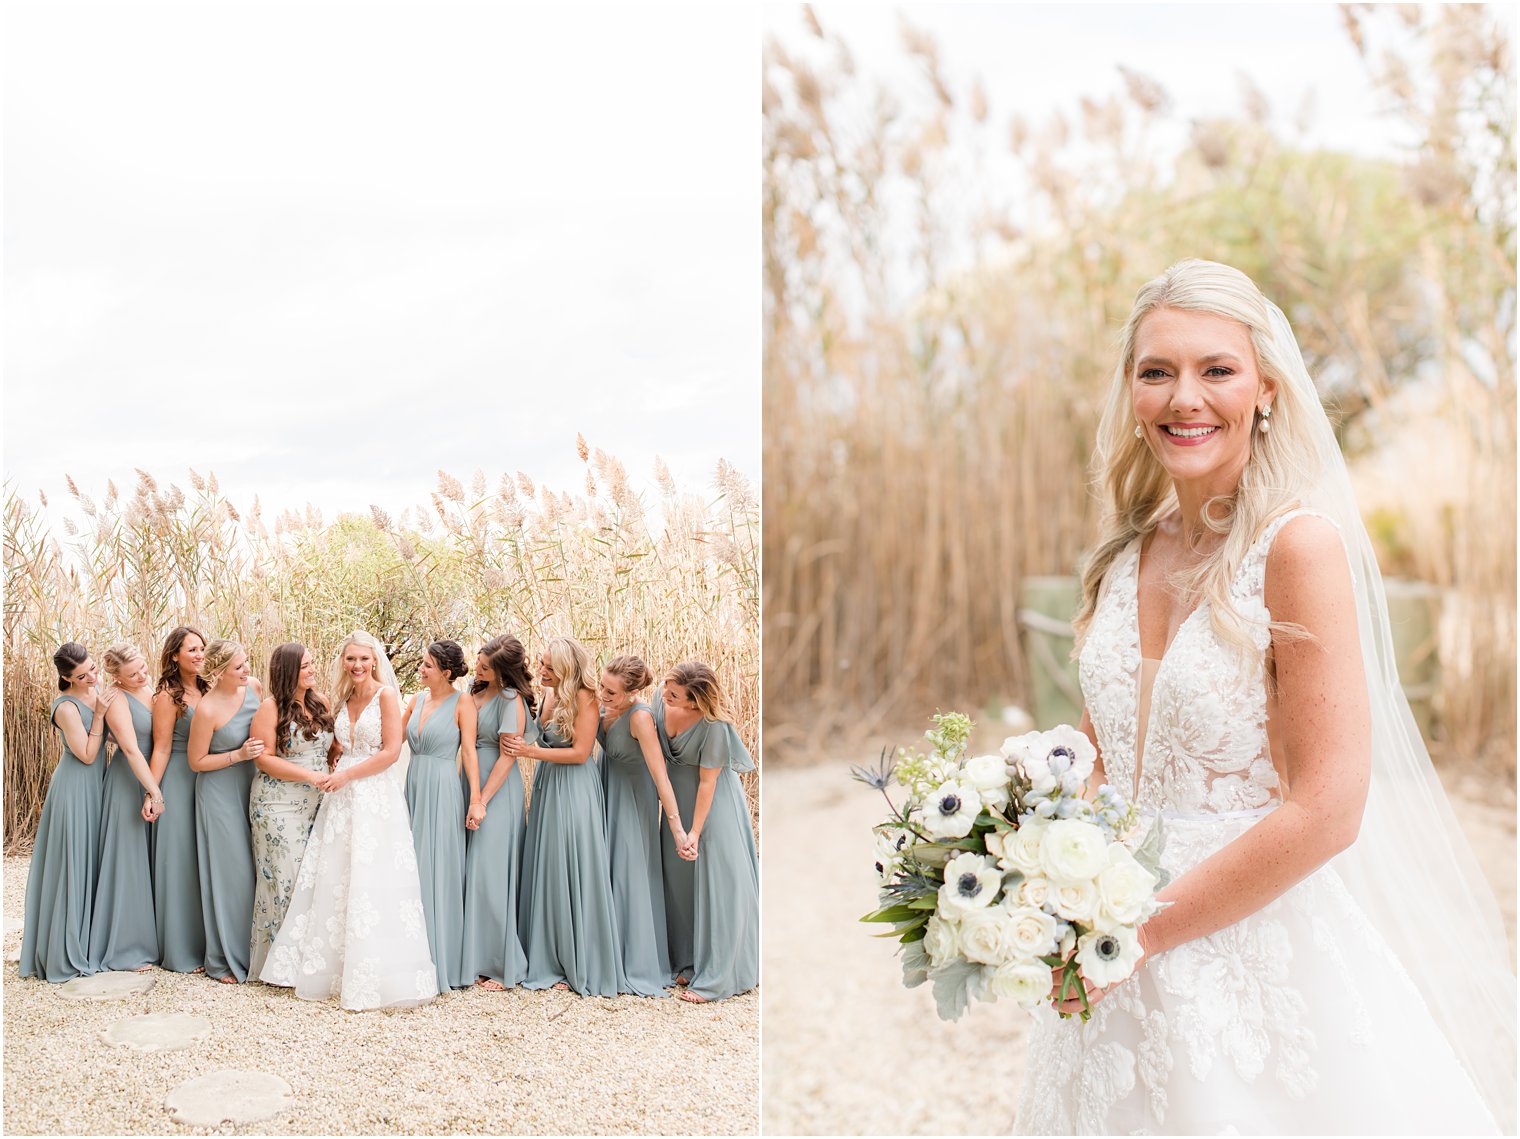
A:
(633, 870)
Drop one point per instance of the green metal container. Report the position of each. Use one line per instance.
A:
(1048, 605)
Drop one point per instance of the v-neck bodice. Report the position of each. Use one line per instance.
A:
(1205, 745)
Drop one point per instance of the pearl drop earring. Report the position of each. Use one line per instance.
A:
(1138, 433)
(1266, 416)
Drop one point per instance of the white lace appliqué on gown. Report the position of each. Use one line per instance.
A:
(1295, 1020)
(354, 927)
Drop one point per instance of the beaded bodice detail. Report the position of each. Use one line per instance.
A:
(1205, 747)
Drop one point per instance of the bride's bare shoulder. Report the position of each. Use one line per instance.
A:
(1307, 567)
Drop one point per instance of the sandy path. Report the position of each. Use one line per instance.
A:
(473, 1062)
(847, 1050)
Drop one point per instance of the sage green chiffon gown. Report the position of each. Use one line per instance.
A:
(224, 847)
(633, 848)
(494, 853)
(60, 884)
(176, 867)
(280, 815)
(437, 808)
(712, 905)
(568, 927)
(123, 932)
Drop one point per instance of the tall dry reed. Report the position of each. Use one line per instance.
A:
(668, 574)
(942, 298)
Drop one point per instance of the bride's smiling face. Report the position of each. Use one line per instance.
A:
(1195, 389)
(360, 663)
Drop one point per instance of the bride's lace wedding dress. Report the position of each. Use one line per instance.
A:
(1296, 1019)
(354, 928)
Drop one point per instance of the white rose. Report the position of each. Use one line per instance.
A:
(1107, 958)
(985, 935)
(1066, 742)
(989, 775)
(1032, 932)
(1027, 982)
(1124, 888)
(1072, 851)
(1033, 892)
(1021, 849)
(971, 882)
(941, 940)
(950, 809)
(1076, 901)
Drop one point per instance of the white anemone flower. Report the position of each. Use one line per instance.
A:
(1107, 958)
(950, 809)
(1070, 751)
(971, 882)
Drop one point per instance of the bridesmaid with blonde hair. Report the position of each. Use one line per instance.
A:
(568, 927)
(633, 769)
(295, 725)
(712, 881)
(171, 835)
(123, 933)
(221, 751)
(440, 730)
(503, 699)
(60, 883)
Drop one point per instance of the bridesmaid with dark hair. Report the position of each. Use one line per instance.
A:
(502, 696)
(439, 726)
(60, 884)
(123, 934)
(171, 837)
(567, 924)
(221, 750)
(633, 766)
(295, 726)
(712, 881)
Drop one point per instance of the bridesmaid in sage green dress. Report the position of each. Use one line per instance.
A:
(123, 933)
(171, 836)
(568, 927)
(503, 698)
(221, 752)
(712, 881)
(60, 884)
(437, 723)
(295, 725)
(637, 788)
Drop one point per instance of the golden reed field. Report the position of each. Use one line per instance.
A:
(670, 575)
(944, 286)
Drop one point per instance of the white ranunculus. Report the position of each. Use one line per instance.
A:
(972, 881)
(1033, 892)
(1032, 932)
(989, 775)
(985, 935)
(1075, 901)
(1124, 888)
(1074, 746)
(1072, 851)
(1021, 849)
(1027, 982)
(1107, 958)
(950, 809)
(941, 940)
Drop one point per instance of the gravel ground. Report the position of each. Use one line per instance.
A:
(847, 1050)
(472, 1062)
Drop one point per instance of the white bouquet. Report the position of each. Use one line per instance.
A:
(998, 870)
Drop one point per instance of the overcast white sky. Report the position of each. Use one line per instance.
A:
(325, 248)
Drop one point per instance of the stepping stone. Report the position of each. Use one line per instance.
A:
(158, 1032)
(105, 987)
(229, 1096)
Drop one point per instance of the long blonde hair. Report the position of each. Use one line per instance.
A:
(572, 665)
(1136, 490)
(341, 684)
(219, 654)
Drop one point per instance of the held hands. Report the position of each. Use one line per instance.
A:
(476, 815)
(152, 808)
(686, 844)
(333, 781)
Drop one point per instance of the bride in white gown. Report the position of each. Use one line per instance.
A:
(354, 928)
(1331, 961)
